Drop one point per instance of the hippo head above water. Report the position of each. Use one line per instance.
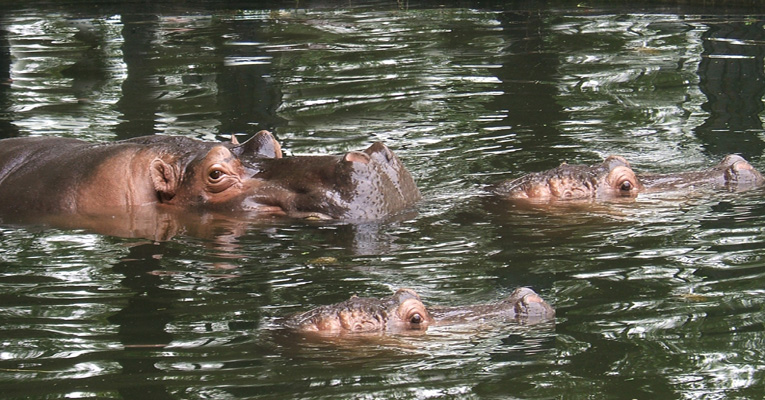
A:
(68, 176)
(404, 312)
(611, 178)
(359, 185)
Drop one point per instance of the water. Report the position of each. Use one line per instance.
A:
(660, 298)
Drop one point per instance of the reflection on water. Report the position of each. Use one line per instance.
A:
(656, 298)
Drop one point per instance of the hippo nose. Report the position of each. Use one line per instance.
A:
(377, 152)
(380, 152)
(357, 156)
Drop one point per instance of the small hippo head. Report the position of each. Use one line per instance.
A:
(400, 312)
(611, 178)
(254, 177)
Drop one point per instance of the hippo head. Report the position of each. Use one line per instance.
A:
(254, 177)
(611, 178)
(401, 312)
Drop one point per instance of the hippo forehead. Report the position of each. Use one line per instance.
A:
(353, 314)
(360, 314)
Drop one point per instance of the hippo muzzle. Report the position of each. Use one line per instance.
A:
(359, 185)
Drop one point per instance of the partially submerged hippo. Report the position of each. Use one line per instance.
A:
(614, 178)
(55, 176)
(404, 311)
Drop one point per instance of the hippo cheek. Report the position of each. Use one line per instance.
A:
(323, 325)
(535, 191)
(275, 199)
(567, 189)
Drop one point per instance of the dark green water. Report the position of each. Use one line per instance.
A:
(660, 298)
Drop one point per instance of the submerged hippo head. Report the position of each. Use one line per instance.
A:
(400, 312)
(254, 177)
(611, 178)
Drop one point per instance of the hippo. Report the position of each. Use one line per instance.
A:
(614, 178)
(404, 312)
(62, 176)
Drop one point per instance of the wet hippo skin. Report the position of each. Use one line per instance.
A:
(60, 176)
(404, 312)
(614, 178)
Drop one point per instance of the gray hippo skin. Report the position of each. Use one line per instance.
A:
(404, 312)
(614, 178)
(59, 176)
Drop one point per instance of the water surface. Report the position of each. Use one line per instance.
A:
(657, 298)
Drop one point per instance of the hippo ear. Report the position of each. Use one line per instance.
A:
(262, 144)
(164, 176)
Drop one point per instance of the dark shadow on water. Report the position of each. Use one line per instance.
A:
(142, 323)
(246, 100)
(732, 78)
(138, 103)
(7, 128)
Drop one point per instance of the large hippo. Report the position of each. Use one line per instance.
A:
(60, 176)
(404, 311)
(614, 178)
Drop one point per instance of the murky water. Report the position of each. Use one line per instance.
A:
(660, 298)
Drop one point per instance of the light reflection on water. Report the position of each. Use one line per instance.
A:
(658, 297)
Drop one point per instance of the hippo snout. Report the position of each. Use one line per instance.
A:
(529, 304)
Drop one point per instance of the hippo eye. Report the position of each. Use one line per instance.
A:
(416, 319)
(216, 174)
(626, 186)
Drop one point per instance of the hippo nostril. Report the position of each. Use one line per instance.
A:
(532, 298)
(741, 165)
(357, 156)
(387, 153)
(380, 148)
